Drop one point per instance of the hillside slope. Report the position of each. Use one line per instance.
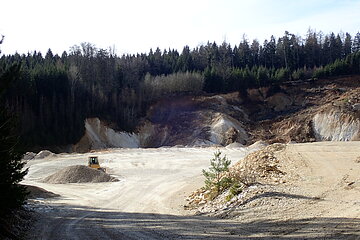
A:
(184, 120)
(307, 111)
(321, 110)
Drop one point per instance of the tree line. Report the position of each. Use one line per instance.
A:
(53, 94)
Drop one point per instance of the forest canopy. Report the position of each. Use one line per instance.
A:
(54, 94)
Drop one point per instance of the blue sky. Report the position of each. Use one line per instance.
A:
(138, 25)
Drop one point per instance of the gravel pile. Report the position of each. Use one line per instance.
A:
(79, 174)
(256, 171)
(44, 154)
(261, 166)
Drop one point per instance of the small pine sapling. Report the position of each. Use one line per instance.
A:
(216, 179)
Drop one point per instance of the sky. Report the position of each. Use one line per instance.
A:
(135, 26)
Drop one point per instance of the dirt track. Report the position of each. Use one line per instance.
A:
(323, 197)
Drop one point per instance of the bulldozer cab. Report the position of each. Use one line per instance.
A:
(94, 162)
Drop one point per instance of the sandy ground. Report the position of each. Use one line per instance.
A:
(322, 196)
(147, 202)
(319, 200)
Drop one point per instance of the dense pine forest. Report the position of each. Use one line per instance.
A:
(53, 94)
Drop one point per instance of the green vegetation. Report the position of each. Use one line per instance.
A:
(54, 94)
(219, 178)
(234, 190)
(11, 170)
(216, 178)
(350, 64)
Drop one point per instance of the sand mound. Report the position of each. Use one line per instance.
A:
(260, 165)
(79, 174)
(38, 192)
(44, 154)
(234, 145)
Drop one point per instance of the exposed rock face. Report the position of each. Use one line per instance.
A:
(225, 130)
(296, 111)
(336, 126)
(194, 121)
(214, 129)
(186, 121)
(98, 136)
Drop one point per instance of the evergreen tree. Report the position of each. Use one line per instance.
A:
(338, 48)
(216, 180)
(11, 171)
(53, 95)
(185, 61)
(244, 52)
(335, 47)
(347, 45)
(326, 51)
(311, 49)
(356, 43)
(213, 81)
(255, 51)
(270, 51)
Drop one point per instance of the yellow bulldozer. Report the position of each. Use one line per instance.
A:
(94, 163)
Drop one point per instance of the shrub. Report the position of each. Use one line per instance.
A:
(158, 86)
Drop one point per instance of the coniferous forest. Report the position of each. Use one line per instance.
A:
(53, 94)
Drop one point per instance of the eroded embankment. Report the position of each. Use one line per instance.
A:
(293, 112)
(186, 121)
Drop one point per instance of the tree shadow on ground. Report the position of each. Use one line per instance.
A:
(77, 222)
(278, 194)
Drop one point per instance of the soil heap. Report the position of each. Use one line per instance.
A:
(79, 174)
(38, 192)
(259, 169)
